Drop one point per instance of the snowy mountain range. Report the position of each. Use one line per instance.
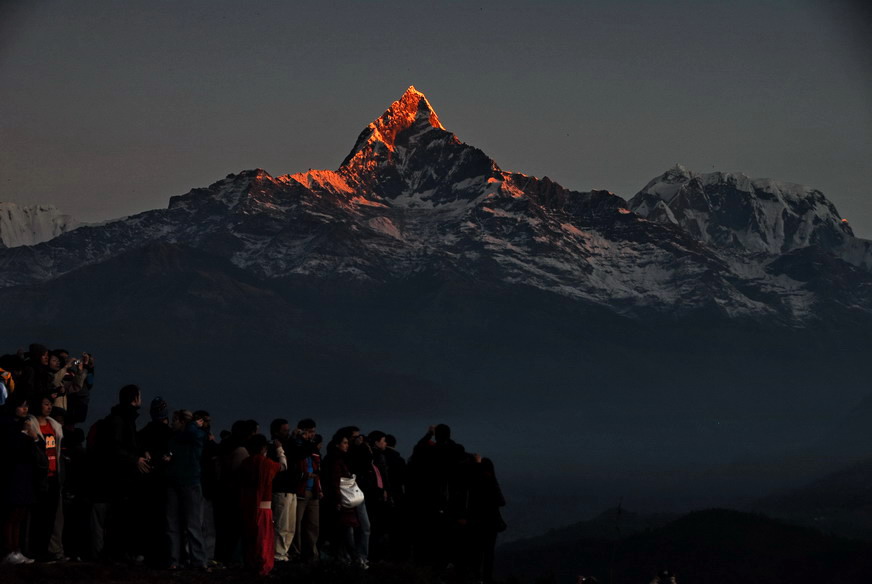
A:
(709, 318)
(32, 224)
(411, 198)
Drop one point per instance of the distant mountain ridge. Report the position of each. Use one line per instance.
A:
(838, 502)
(719, 546)
(733, 211)
(411, 198)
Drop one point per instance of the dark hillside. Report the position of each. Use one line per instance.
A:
(711, 547)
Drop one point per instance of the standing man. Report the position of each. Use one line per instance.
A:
(120, 466)
(307, 461)
(284, 491)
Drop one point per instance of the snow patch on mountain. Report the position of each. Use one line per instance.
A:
(32, 224)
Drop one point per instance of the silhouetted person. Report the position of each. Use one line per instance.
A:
(119, 465)
(484, 520)
(397, 515)
(154, 439)
(433, 474)
(21, 459)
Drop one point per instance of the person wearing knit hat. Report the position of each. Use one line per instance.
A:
(159, 409)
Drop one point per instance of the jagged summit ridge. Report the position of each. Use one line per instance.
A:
(379, 138)
(407, 158)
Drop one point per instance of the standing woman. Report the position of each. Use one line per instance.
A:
(48, 489)
(344, 522)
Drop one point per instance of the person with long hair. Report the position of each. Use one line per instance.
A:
(344, 522)
(21, 456)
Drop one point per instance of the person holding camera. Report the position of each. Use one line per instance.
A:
(64, 373)
(79, 396)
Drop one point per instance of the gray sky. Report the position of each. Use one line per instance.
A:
(110, 108)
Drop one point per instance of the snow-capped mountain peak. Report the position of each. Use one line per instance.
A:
(379, 139)
(407, 157)
(732, 210)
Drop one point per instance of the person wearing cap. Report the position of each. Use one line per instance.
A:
(154, 437)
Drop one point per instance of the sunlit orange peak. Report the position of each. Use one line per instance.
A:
(412, 107)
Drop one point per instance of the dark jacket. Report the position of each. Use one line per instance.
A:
(396, 465)
(113, 454)
(186, 448)
(433, 474)
(287, 480)
(361, 463)
(154, 438)
(485, 498)
(121, 444)
(22, 463)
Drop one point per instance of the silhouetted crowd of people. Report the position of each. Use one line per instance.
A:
(172, 495)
